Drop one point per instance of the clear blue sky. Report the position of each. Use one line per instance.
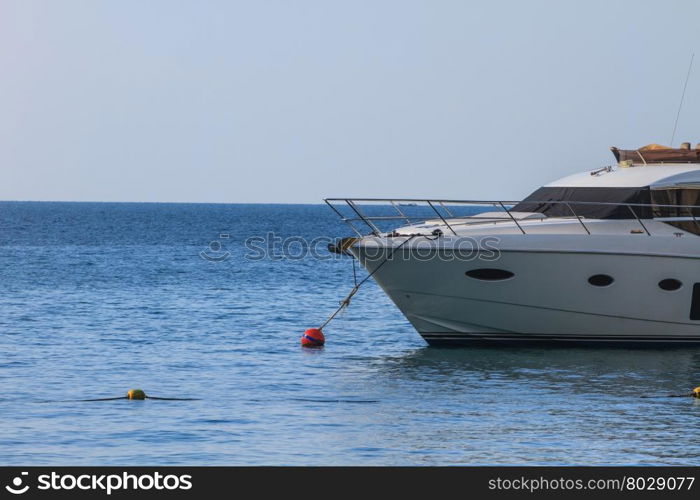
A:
(295, 100)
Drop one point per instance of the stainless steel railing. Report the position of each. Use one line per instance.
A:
(359, 211)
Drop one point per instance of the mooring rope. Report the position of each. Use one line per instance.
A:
(346, 301)
(114, 399)
(686, 395)
(134, 394)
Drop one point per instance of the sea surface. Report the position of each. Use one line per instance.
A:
(98, 298)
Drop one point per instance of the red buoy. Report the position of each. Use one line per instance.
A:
(313, 337)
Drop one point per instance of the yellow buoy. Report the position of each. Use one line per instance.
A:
(696, 392)
(136, 394)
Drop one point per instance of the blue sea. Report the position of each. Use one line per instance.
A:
(99, 298)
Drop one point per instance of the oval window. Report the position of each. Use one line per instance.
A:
(670, 284)
(490, 274)
(601, 280)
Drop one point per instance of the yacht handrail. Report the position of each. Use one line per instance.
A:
(451, 220)
(492, 202)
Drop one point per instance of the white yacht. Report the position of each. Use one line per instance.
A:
(608, 256)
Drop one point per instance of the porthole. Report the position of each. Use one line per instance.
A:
(489, 274)
(670, 284)
(601, 280)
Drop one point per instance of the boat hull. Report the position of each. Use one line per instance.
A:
(548, 299)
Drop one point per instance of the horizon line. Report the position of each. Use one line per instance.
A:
(321, 202)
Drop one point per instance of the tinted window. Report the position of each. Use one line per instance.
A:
(539, 202)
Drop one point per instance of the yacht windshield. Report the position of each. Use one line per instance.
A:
(599, 202)
(609, 203)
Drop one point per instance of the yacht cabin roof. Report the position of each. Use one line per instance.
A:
(652, 175)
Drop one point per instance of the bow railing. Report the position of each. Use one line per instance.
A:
(371, 212)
